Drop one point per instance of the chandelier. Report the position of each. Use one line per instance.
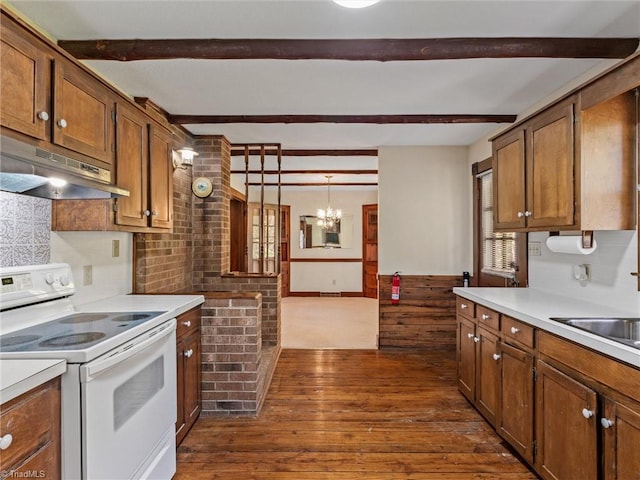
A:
(328, 217)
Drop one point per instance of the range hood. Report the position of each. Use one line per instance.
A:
(30, 170)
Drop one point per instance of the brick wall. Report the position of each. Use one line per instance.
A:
(236, 369)
(426, 315)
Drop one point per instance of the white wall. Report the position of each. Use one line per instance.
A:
(111, 276)
(424, 219)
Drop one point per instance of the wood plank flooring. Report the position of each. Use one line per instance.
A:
(353, 414)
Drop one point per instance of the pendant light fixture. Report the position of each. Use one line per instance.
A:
(356, 3)
(328, 218)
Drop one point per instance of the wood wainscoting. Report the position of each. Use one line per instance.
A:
(426, 315)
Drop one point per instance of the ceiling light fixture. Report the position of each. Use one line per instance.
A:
(328, 217)
(356, 3)
(183, 158)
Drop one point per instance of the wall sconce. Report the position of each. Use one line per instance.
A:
(183, 158)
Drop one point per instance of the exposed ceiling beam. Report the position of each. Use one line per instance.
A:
(382, 50)
(377, 119)
(308, 172)
(314, 184)
(372, 152)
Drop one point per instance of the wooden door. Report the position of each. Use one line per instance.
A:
(370, 251)
(132, 167)
(621, 438)
(192, 378)
(25, 77)
(550, 168)
(466, 358)
(160, 177)
(509, 181)
(82, 113)
(515, 422)
(285, 249)
(238, 227)
(487, 375)
(566, 427)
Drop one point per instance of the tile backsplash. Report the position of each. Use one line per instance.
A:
(25, 230)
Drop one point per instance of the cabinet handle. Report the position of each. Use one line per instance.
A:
(485, 316)
(520, 214)
(514, 330)
(187, 323)
(62, 123)
(44, 116)
(586, 413)
(5, 441)
(463, 306)
(470, 335)
(146, 213)
(606, 423)
(496, 356)
(188, 353)
(528, 213)
(154, 213)
(476, 339)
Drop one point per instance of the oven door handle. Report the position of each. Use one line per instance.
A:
(89, 371)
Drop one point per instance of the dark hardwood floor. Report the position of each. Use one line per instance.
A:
(345, 414)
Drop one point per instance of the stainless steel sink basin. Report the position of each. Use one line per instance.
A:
(624, 330)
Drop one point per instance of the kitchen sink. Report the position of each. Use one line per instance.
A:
(623, 330)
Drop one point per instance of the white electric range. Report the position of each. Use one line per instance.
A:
(119, 390)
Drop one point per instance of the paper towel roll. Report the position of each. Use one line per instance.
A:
(569, 244)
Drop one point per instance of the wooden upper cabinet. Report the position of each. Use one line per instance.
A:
(83, 112)
(25, 77)
(509, 180)
(550, 168)
(160, 177)
(131, 167)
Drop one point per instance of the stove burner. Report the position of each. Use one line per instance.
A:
(17, 340)
(72, 339)
(83, 318)
(131, 317)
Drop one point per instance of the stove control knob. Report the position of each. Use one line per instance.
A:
(65, 280)
(5, 441)
(49, 278)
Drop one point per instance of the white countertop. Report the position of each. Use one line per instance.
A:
(537, 308)
(175, 304)
(20, 376)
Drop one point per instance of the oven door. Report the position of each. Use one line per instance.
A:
(128, 406)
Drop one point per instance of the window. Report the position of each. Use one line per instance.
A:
(500, 258)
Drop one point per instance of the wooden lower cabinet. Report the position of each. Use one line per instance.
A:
(189, 399)
(466, 358)
(33, 420)
(566, 426)
(621, 440)
(517, 402)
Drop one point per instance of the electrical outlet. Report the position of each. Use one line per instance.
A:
(535, 249)
(115, 248)
(87, 275)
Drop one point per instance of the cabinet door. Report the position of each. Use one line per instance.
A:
(192, 378)
(160, 177)
(550, 168)
(566, 427)
(515, 422)
(621, 439)
(25, 77)
(487, 375)
(509, 181)
(466, 358)
(131, 167)
(83, 110)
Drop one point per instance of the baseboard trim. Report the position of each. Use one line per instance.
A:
(323, 294)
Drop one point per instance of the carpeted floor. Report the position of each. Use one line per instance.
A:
(329, 322)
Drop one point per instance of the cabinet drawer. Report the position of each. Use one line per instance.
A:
(188, 322)
(465, 307)
(488, 317)
(520, 332)
(30, 420)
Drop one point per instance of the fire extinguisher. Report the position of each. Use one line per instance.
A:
(395, 289)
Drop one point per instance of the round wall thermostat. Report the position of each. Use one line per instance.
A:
(202, 187)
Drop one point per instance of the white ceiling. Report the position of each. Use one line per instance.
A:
(271, 87)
